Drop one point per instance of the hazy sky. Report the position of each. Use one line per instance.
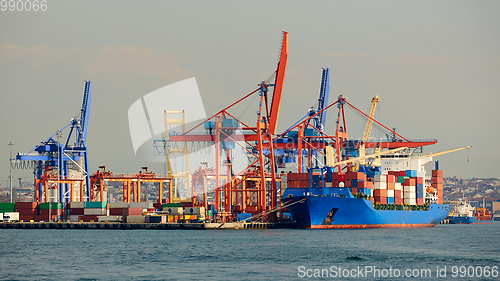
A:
(434, 64)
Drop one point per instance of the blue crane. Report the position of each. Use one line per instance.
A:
(52, 154)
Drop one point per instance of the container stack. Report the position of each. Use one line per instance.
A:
(355, 179)
(43, 212)
(398, 192)
(27, 210)
(437, 184)
(175, 211)
(409, 191)
(8, 209)
(297, 180)
(380, 189)
(116, 208)
(420, 190)
(76, 209)
(391, 194)
(191, 213)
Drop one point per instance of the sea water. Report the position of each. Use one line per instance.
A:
(440, 252)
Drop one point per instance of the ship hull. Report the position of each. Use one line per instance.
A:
(329, 212)
(469, 220)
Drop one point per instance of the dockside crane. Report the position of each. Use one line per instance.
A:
(69, 157)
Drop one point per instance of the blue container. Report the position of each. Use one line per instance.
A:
(354, 183)
(411, 173)
(315, 184)
(243, 216)
(328, 177)
(420, 195)
(310, 133)
(362, 168)
(390, 200)
(316, 178)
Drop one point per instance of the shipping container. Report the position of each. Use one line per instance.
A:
(410, 201)
(135, 219)
(144, 205)
(116, 211)
(390, 200)
(379, 185)
(45, 206)
(133, 211)
(174, 210)
(88, 218)
(94, 212)
(437, 173)
(77, 211)
(118, 205)
(171, 205)
(78, 205)
(109, 218)
(390, 193)
(26, 205)
(94, 205)
(194, 210)
(11, 216)
(411, 173)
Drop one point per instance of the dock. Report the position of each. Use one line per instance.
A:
(167, 226)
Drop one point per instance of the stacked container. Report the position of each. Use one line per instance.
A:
(409, 191)
(43, 211)
(380, 189)
(27, 210)
(390, 179)
(297, 180)
(437, 183)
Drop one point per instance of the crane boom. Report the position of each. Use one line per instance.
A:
(278, 86)
(447, 151)
(368, 129)
(323, 97)
(369, 156)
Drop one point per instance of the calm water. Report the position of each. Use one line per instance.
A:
(245, 254)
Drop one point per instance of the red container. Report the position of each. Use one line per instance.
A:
(410, 182)
(183, 205)
(335, 183)
(360, 176)
(391, 178)
(420, 201)
(25, 217)
(26, 205)
(380, 199)
(43, 218)
(380, 193)
(420, 180)
(397, 194)
(347, 183)
(76, 211)
(402, 173)
(440, 200)
(26, 212)
(88, 218)
(342, 177)
(45, 212)
(116, 211)
(398, 201)
(304, 183)
(354, 190)
(335, 176)
(361, 184)
(292, 176)
(369, 184)
(157, 206)
(390, 186)
(132, 211)
(437, 173)
(304, 176)
(437, 180)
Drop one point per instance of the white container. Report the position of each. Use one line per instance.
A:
(284, 185)
(409, 201)
(11, 216)
(379, 185)
(135, 219)
(390, 193)
(118, 205)
(410, 189)
(73, 218)
(76, 205)
(109, 218)
(410, 195)
(398, 186)
(194, 210)
(1, 216)
(328, 184)
(380, 178)
(94, 212)
(174, 210)
(144, 205)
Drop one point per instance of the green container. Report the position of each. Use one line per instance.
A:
(401, 179)
(209, 213)
(7, 206)
(45, 206)
(95, 205)
(168, 205)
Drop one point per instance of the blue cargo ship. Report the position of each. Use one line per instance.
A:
(341, 210)
(464, 213)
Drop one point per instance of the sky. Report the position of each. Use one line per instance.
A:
(434, 64)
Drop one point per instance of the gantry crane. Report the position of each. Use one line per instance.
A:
(369, 124)
(69, 157)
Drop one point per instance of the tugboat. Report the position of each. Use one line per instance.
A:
(464, 213)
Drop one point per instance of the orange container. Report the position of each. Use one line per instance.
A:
(437, 173)
(437, 180)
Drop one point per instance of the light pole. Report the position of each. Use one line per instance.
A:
(10, 174)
